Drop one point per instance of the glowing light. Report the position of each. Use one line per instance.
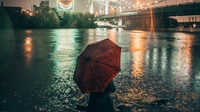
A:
(194, 25)
(28, 31)
(64, 5)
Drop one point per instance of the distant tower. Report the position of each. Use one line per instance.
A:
(106, 6)
(91, 8)
(106, 3)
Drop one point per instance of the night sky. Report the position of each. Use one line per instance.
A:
(80, 5)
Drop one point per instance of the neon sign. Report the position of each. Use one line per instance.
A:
(65, 5)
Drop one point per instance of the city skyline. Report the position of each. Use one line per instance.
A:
(81, 5)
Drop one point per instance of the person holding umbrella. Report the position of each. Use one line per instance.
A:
(102, 101)
(96, 67)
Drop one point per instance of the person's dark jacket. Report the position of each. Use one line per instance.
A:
(102, 101)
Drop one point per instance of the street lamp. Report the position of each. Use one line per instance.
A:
(156, 2)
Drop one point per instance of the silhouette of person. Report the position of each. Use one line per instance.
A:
(102, 101)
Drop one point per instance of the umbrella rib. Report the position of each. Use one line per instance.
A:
(93, 76)
(105, 51)
(105, 64)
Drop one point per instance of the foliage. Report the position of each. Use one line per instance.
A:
(79, 20)
(51, 18)
(67, 20)
(85, 20)
(46, 18)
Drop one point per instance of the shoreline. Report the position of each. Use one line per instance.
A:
(186, 30)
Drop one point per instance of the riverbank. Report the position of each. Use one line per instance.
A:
(170, 29)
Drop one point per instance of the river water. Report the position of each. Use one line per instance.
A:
(37, 67)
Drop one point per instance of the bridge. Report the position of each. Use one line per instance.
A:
(141, 17)
(174, 10)
(118, 6)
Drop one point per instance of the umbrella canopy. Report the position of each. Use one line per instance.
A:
(97, 65)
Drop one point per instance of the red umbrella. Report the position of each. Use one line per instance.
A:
(97, 65)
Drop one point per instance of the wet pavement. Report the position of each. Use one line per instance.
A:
(159, 71)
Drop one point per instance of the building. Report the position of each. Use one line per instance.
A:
(37, 9)
(11, 9)
(44, 3)
(10, 16)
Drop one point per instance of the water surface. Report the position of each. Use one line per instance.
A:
(37, 68)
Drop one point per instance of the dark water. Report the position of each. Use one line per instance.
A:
(37, 66)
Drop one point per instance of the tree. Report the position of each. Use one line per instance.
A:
(86, 21)
(67, 20)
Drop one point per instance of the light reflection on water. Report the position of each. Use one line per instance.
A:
(152, 71)
(183, 59)
(28, 49)
(137, 47)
